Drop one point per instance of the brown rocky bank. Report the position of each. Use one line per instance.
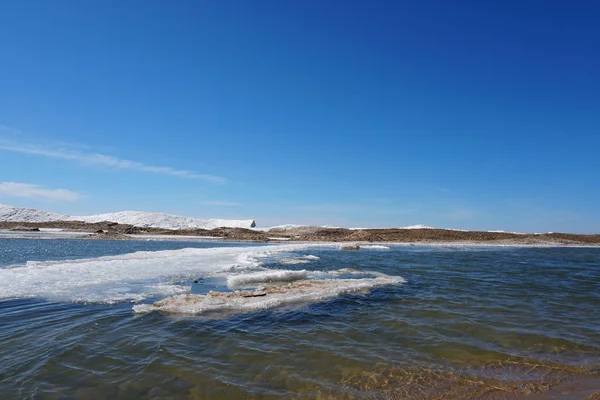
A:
(111, 230)
(431, 236)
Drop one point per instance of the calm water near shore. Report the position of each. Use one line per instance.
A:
(470, 322)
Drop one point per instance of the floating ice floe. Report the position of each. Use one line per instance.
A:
(267, 297)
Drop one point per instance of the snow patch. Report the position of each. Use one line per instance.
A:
(418, 226)
(286, 227)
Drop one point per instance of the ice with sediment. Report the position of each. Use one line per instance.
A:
(296, 292)
(241, 280)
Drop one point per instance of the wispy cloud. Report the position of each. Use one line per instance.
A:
(16, 189)
(218, 203)
(7, 130)
(89, 158)
(396, 211)
(357, 208)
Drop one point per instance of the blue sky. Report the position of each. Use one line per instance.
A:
(468, 114)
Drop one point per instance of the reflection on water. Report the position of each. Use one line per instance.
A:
(470, 323)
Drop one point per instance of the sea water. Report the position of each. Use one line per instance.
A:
(456, 322)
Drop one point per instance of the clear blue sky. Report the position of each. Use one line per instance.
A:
(467, 114)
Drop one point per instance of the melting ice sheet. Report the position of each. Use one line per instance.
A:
(138, 276)
(130, 277)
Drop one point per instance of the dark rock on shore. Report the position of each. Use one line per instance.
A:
(25, 229)
(239, 234)
(106, 236)
(430, 236)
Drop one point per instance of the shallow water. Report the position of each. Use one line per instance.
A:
(471, 322)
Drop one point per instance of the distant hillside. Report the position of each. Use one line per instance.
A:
(136, 218)
(19, 214)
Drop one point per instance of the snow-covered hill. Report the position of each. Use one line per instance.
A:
(18, 214)
(137, 218)
(165, 221)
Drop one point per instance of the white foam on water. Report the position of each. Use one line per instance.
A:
(293, 261)
(374, 247)
(297, 260)
(299, 292)
(130, 277)
(236, 281)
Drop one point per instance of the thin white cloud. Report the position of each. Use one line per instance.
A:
(396, 211)
(218, 203)
(88, 158)
(462, 214)
(16, 189)
(349, 208)
(7, 130)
